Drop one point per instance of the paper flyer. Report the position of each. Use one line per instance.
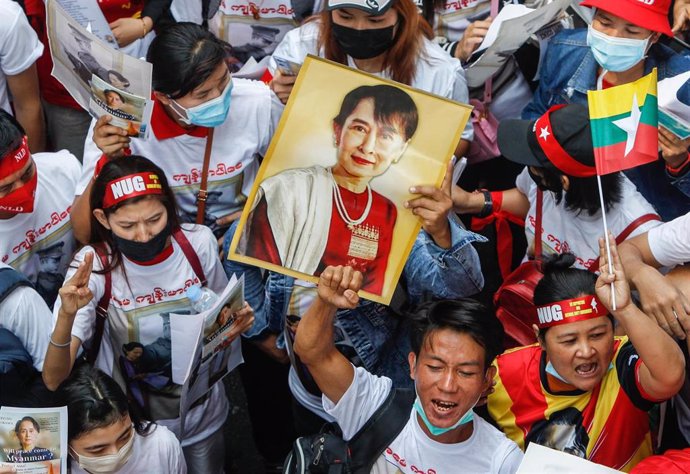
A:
(33, 440)
(511, 29)
(542, 460)
(88, 67)
(672, 109)
(201, 355)
(90, 16)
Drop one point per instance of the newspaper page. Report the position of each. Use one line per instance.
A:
(511, 29)
(88, 67)
(33, 440)
(90, 16)
(201, 354)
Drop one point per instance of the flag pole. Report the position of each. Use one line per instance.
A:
(606, 238)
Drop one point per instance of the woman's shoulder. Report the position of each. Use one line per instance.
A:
(160, 438)
(293, 175)
(432, 54)
(197, 234)
(299, 42)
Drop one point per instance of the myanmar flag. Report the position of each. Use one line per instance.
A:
(624, 125)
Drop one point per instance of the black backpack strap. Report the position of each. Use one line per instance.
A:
(10, 280)
(102, 308)
(380, 430)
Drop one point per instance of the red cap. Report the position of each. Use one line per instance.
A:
(649, 14)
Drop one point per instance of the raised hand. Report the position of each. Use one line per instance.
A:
(603, 286)
(111, 140)
(338, 286)
(75, 293)
(282, 86)
(472, 38)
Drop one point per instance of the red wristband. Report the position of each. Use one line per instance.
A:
(677, 170)
(497, 200)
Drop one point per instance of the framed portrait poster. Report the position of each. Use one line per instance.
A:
(332, 187)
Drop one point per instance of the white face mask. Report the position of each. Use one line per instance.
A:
(108, 463)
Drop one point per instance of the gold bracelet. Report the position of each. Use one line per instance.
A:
(143, 25)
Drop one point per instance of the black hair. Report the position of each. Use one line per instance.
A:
(11, 133)
(562, 282)
(463, 315)
(392, 106)
(117, 168)
(17, 425)
(130, 346)
(111, 91)
(183, 57)
(119, 76)
(94, 400)
(583, 193)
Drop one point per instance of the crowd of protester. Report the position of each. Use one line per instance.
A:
(606, 381)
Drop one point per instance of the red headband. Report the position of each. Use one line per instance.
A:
(555, 152)
(570, 311)
(133, 185)
(14, 160)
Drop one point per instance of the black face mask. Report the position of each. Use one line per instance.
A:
(364, 44)
(143, 251)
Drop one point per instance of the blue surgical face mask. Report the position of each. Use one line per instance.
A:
(616, 54)
(435, 430)
(550, 369)
(209, 114)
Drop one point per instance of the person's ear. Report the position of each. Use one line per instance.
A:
(535, 328)
(162, 98)
(490, 374)
(565, 182)
(337, 130)
(654, 38)
(412, 360)
(402, 152)
(101, 218)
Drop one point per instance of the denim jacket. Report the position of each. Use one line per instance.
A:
(569, 70)
(378, 335)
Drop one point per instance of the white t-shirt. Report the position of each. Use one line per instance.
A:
(139, 311)
(246, 133)
(40, 244)
(436, 72)
(670, 242)
(160, 452)
(487, 450)
(19, 46)
(27, 316)
(565, 231)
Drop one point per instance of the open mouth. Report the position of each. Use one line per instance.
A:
(443, 406)
(586, 370)
(361, 161)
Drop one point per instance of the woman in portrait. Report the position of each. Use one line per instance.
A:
(27, 430)
(306, 219)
